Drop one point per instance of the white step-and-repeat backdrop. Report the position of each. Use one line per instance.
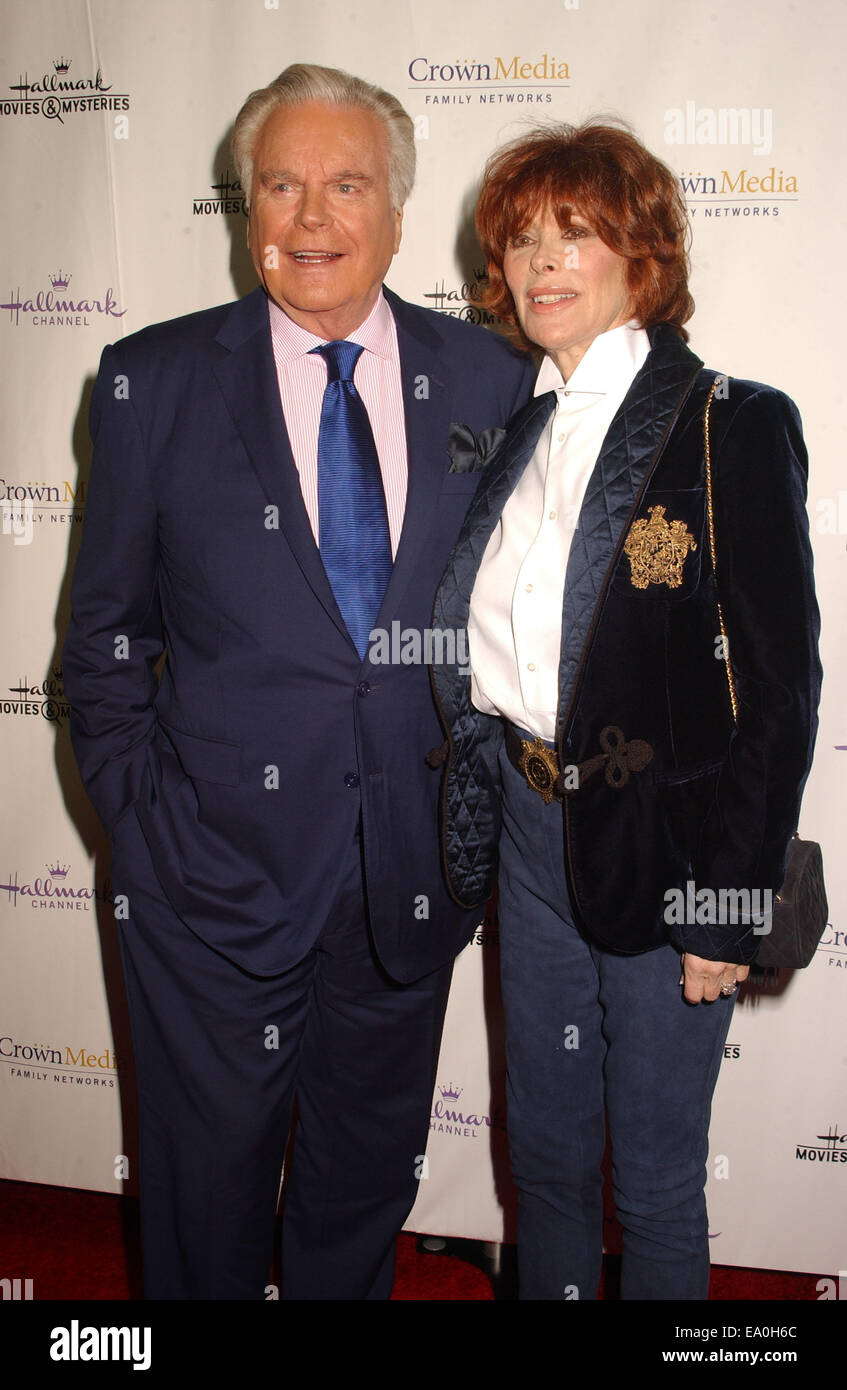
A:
(121, 209)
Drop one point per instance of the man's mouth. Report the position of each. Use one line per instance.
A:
(315, 257)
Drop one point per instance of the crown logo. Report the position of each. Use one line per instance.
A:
(60, 280)
(451, 1091)
(58, 870)
(656, 550)
(62, 64)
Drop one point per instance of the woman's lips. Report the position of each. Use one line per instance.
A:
(548, 301)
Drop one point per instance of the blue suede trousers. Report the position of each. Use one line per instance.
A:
(592, 1036)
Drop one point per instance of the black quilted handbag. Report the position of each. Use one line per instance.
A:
(801, 910)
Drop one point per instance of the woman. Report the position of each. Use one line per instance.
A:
(624, 765)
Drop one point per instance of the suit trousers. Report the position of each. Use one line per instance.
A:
(591, 1036)
(220, 1055)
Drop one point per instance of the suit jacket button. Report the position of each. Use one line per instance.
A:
(363, 688)
(351, 779)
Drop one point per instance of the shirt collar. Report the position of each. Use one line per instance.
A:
(610, 363)
(291, 341)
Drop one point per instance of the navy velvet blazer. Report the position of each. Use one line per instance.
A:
(670, 789)
(248, 764)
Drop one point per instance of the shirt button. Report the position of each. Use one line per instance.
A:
(529, 588)
(530, 665)
(560, 439)
(553, 516)
(351, 779)
(362, 689)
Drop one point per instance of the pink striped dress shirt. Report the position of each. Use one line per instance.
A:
(302, 381)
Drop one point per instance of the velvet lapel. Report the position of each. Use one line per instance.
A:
(247, 378)
(628, 456)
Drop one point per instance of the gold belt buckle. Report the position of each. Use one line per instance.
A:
(540, 766)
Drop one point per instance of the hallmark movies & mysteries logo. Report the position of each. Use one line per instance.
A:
(228, 199)
(46, 699)
(830, 1148)
(59, 93)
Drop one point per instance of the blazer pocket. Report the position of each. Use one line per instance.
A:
(206, 759)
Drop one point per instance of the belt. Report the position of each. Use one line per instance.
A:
(536, 761)
(539, 763)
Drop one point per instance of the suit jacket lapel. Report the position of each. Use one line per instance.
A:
(247, 378)
(427, 404)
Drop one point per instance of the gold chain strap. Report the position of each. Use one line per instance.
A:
(710, 513)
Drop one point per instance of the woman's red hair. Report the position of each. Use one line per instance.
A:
(605, 175)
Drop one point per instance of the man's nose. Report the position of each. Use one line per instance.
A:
(313, 210)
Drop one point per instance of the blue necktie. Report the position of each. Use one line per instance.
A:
(354, 541)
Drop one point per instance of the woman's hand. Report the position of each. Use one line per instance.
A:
(706, 980)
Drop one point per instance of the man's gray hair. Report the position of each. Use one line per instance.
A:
(305, 82)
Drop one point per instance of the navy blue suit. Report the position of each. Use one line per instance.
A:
(272, 787)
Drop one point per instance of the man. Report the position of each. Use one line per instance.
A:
(274, 821)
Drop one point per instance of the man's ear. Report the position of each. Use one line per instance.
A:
(398, 229)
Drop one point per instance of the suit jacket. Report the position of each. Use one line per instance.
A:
(248, 765)
(670, 790)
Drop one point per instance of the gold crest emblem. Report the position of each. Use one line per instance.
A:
(656, 550)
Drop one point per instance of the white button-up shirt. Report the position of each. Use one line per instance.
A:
(515, 621)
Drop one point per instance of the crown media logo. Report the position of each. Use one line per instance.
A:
(51, 309)
(229, 199)
(746, 191)
(511, 80)
(23, 505)
(67, 1066)
(833, 945)
(56, 94)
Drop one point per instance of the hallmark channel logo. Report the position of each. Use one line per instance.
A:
(228, 200)
(830, 1148)
(448, 1118)
(514, 79)
(54, 890)
(56, 308)
(46, 699)
(67, 1065)
(61, 93)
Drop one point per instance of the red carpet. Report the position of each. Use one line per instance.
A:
(83, 1245)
